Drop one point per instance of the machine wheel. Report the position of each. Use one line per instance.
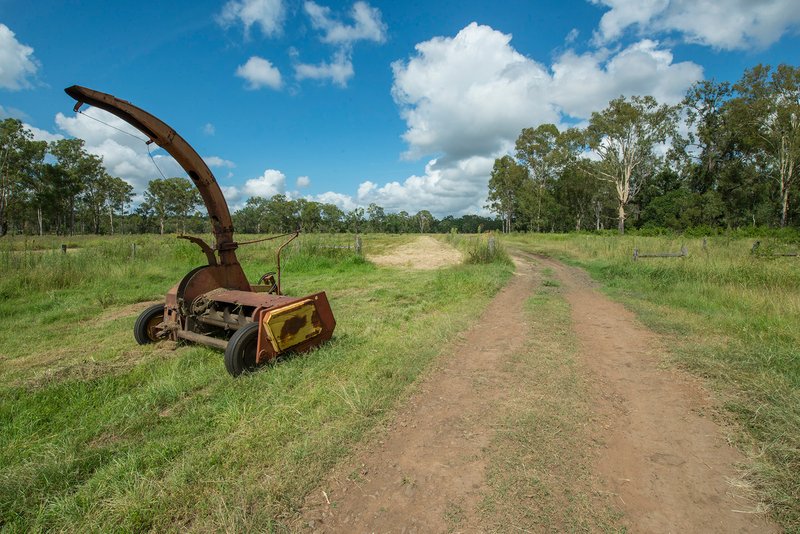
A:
(240, 356)
(145, 328)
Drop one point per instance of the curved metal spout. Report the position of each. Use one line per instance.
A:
(168, 139)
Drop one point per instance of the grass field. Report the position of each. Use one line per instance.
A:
(97, 431)
(731, 317)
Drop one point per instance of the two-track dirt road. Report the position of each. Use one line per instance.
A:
(661, 463)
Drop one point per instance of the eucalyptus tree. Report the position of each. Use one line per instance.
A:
(310, 214)
(168, 197)
(537, 149)
(117, 193)
(104, 193)
(81, 168)
(355, 220)
(280, 214)
(331, 217)
(709, 139)
(377, 218)
(625, 136)
(425, 220)
(20, 160)
(767, 110)
(505, 188)
(248, 218)
(575, 193)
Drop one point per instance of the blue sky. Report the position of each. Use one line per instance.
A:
(401, 103)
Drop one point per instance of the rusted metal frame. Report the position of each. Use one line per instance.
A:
(160, 133)
(280, 249)
(205, 247)
(261, 240)
(202, 339)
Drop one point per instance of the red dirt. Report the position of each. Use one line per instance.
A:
(431, 456)
(669, 466)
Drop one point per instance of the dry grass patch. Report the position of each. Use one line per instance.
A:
(424, 253)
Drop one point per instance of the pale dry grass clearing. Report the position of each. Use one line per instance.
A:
(424, 253)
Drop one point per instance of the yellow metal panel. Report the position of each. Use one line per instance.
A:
(291, 325)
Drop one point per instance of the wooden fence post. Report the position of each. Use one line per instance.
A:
(133, 251)
(358, 244)
(491, 245)
(635, 254)
(64, 248)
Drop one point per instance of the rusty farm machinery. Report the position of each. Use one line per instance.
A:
(215, 304)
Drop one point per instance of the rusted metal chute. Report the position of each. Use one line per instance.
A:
(215, 304)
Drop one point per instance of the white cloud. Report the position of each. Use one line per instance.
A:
(231, 193)
(42, 135)
(17, 63)
(367, 24)
(727, 25)
(123, 155)
(216, 161)
(14, 113)
(259, 72)
(443, 190)
(469, 94)
(209, 129)
(365, 188)
(267, 14)
(465, 100)
(272, 182)
(585, 83)
(338, 71)
(572, 36)
(625, 13)
(303, 182)
(342, 201)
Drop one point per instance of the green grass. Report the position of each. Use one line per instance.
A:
(483, 248)
(96, 431)
(731, 317)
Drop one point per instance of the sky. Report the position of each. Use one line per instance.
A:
(404, 104)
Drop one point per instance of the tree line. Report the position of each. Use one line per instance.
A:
(60, 188)
(281, 214)
(725, 157)
(55, 187)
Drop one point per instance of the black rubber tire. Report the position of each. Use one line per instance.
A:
(240, 356)
(143, 329)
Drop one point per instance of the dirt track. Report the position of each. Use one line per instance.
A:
(668, 467)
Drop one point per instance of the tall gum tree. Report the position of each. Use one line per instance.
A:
(624, 136)
(505, 185)
(539, 150)
(80, 167)
(20, 160)
(171, 197)
(767, 111)
(708, 139)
